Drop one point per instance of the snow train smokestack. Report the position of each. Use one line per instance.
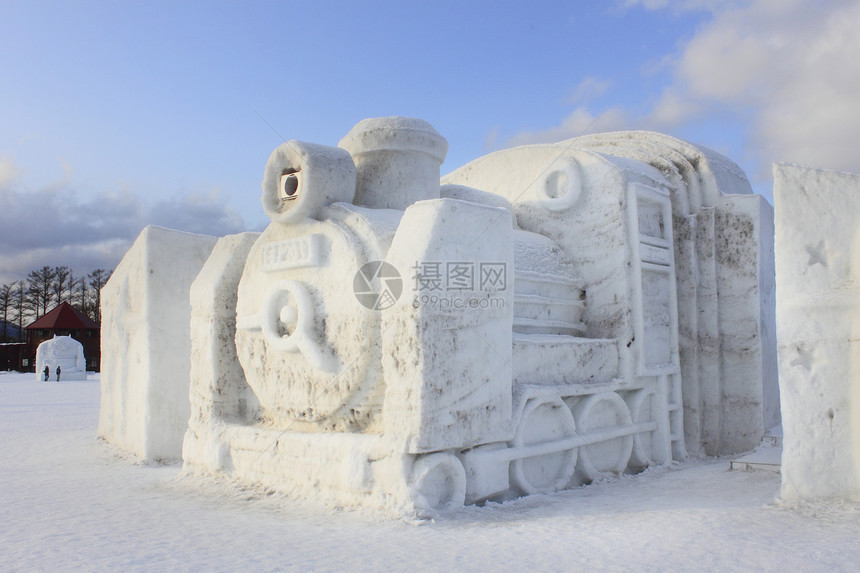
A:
(397, 160)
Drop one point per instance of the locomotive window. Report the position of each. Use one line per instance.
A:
(557, 184)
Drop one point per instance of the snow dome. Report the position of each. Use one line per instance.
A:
(64, 352)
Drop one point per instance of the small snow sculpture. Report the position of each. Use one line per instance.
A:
(540, 318)
(64, 352)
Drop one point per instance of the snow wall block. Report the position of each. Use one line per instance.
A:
(146, 343)
(447, 361)
(818, 309)
(745, 280)
(219, 393)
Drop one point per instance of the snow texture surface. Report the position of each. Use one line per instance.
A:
(72, 503)
(817, 309)
(722, 251)
(146, 342)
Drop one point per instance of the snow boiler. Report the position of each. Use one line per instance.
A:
(396, 341)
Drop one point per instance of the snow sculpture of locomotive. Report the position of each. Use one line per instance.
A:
(515, 330)
(549, 315)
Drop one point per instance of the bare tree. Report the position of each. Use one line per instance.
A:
(98, 278)
(70, 285)
(48, 286)
(20, 298)
(40, 293)
(61, 278)
(6, 301)
(83, 294)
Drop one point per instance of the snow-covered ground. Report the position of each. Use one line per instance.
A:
(71, 502)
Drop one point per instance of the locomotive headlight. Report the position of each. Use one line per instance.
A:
(301, 178)
(289, 186)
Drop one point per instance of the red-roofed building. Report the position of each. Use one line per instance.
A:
(65, 320)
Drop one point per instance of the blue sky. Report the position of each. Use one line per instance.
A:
(114, 115)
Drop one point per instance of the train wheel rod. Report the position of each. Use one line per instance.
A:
(578, 440)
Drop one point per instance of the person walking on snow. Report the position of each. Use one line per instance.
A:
(58, 373)
(47, 372)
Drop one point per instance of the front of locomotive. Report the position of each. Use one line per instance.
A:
(307, 341)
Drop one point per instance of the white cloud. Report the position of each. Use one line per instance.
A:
(580, 122)
(492, 138)
(204, 214)
(789, 69)
(8, 171)
(673, 109)
(795, 65)
(51, 226)
(679, 5)
(589, 89)
(647, 4)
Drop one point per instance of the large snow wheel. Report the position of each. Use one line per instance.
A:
(438, 482)
(595, 414)
(640, 404)
(291, 316)
(542, 422)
